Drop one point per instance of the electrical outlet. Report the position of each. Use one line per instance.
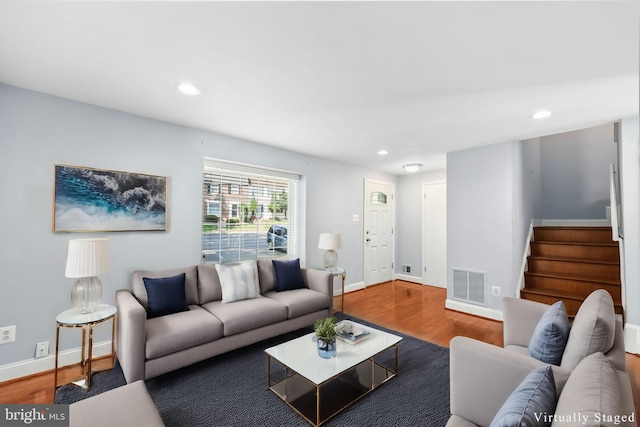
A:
(42, 349)
(495, 291)
(7, 334)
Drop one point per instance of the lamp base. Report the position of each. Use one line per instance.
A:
(330, 259)
(86, 294)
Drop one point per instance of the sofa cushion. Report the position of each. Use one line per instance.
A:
(190, 283)
(209, 288)
(550, 335)
(179, 331)
(165, 295)
(247, 315)
(593, 329)
(300, 301)
(239, 281)
(592, 391)
(288, 275)
(267, 275)
(535, 396)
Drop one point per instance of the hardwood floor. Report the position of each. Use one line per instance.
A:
(410, 308)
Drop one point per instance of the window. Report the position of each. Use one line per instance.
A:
(257, 213)
(378, 198)
(213, 208)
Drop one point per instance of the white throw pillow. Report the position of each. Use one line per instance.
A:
(239, 281)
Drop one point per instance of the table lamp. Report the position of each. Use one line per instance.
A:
(330, 242)
(86, 259)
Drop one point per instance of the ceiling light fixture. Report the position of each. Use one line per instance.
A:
(542, 114)
(383, 152)
(188, 88)
(412, 167)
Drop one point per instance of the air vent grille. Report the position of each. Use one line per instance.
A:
(469, 286)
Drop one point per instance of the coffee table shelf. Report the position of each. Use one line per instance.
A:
(318, 389)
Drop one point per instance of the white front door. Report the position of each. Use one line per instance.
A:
(378, 232)
(434, 238)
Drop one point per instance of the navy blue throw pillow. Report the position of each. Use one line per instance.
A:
(165, 295)
(288, 275)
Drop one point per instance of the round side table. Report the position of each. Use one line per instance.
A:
(339, 271)
(72, 318)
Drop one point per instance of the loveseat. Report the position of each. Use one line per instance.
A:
(584, 364)
(222, 309)
(484, 376)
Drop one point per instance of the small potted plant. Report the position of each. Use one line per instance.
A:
(326, 337)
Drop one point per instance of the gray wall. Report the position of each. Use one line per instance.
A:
(575, 169)
(479, 201)
(38, 131)
(526, 193)
(489, 212)
(629, 147)
(409, 220)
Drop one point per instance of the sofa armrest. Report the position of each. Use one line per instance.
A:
(617, 355)
(131, 335)
(321, 281)
(520, 318)
(483, 376)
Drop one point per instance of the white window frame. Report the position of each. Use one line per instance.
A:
(253, 176)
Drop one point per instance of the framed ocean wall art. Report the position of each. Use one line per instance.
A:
(87, 199)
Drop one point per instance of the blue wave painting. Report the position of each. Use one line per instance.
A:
(100, 200)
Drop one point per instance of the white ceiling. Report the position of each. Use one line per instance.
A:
(339, 80)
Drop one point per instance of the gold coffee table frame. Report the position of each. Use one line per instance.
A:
(318, 402)
(72, 318)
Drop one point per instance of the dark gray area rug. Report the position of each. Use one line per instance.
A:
(231, 390)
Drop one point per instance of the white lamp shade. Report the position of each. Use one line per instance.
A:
(87, 257)
(329, 241)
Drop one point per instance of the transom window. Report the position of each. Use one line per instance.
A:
(378, 198)
(257, 217)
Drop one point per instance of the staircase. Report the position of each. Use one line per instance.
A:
(568, 263)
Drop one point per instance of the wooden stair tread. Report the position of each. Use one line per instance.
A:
(561, 295)
(562, 243)
(575, 259)
(576, 277)
(572, 227)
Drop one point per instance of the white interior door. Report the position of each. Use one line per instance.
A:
(378, 232)
(434, 238)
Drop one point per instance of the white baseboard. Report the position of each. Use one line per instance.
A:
(348, 287)
(34, 366)
(476, 310)
(572, 222)
(408, 278)
(632, 338)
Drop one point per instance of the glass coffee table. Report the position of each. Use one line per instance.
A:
(317, 388)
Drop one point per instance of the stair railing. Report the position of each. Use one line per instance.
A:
(615, 228)
(614, 206)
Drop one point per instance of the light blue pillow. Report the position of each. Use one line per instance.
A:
(530, 401)
(239, 281)
(550, 336)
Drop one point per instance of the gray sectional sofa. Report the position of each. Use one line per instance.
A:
(148, 347)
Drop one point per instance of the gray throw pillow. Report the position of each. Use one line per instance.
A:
(551, 334)
(593, 329)
(530, 401)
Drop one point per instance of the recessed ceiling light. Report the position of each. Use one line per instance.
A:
(542, 114)
(188, 88)
(412, 167)
(383, 152)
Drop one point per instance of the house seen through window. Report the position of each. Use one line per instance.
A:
(257, 217)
